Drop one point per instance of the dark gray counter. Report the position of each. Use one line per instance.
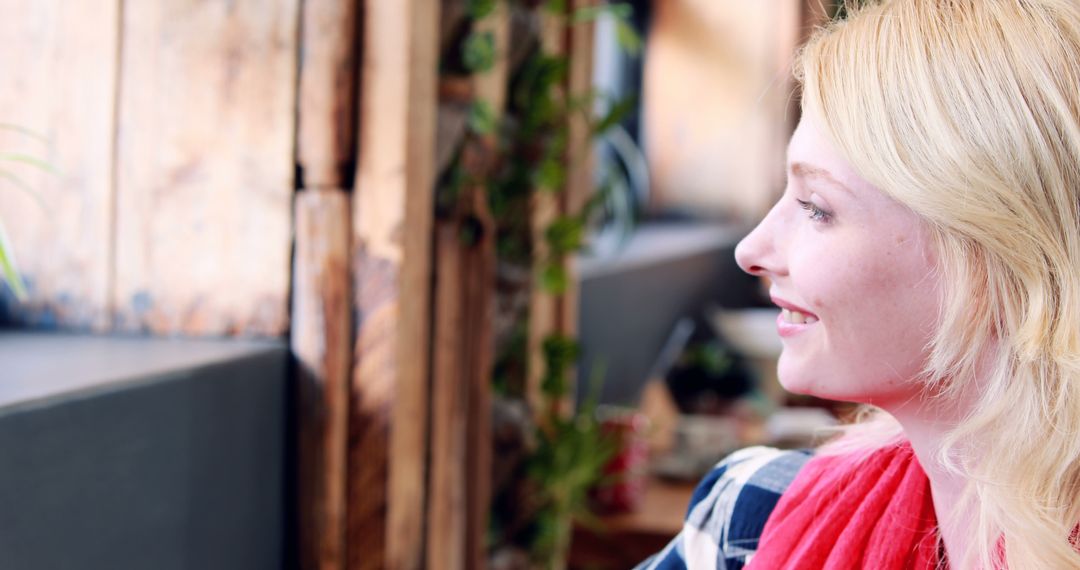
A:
(121, 453)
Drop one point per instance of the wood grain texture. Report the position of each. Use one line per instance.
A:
(392, 217)
(322, 342)
(328, 74)
(463, 356)
(205, 166)
(446, 510)
(460, 483)
(60, 69)
(480, 303)
(461, 440)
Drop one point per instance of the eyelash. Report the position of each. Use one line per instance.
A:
(816, 214)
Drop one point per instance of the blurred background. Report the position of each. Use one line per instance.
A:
(365, 284)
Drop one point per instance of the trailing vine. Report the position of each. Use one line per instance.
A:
(530, 156)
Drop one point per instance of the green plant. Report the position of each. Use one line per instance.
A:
(572, 449)
(531, 158)
(570, 458)
(9, 270)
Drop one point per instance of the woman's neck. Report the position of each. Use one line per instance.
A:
(926, 425)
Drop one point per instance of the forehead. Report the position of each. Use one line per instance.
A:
(812, 155)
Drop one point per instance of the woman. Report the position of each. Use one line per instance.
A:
(926, 255)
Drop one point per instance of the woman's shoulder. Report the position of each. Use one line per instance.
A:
(729, 507)
(732, 502)
(753, 470)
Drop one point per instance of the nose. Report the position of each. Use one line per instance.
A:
(757, 253)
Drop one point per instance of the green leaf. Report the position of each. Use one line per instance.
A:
(550, 175)
(553, 71)
(22, 185)
(554, 386)
(627, 37)
(480, 9)
(565, 234)
(560, 351)
(591, 13)
(29, 133)
(29, 160)
(615, 114)
(478, 52)
(556, 6)
(554, 279)
(482, 118)
(9, 268)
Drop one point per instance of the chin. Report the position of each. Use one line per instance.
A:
(794, 378)
(798, 386)
(804, 385)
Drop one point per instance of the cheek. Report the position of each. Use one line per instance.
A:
(877, 308)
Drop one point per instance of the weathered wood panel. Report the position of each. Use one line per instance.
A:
(205, 166)
(59, 62)
(328, 75)
(392, 229)
(322, 342)
(463, 355)
(447, 505)
(480, 302)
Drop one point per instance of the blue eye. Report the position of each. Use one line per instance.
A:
(816, 214)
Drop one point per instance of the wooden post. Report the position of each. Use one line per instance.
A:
(579, 180)
(327, 115)
(446, 510)
(322, 325)
(392, 229)
(322, 342)
(460, 483)
(480, 300)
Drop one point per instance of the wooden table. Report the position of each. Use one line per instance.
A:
(632, 537)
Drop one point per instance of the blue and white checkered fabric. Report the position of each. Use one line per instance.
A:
(728, 511)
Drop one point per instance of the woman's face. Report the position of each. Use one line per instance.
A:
(854, 272)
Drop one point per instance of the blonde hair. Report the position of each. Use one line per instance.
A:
(968, 113)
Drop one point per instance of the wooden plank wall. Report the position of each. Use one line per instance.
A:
(177, 128)
(205, 166)
(172, 125)
(60, 68)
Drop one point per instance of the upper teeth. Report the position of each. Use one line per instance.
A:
(798, 318)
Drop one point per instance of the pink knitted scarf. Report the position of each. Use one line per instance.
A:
(840, 514)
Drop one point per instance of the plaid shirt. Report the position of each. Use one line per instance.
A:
(728, 511)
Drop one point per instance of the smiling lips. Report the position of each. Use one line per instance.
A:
(792, 319)
(797, 317)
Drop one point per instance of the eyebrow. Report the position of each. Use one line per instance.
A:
(803, 170)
